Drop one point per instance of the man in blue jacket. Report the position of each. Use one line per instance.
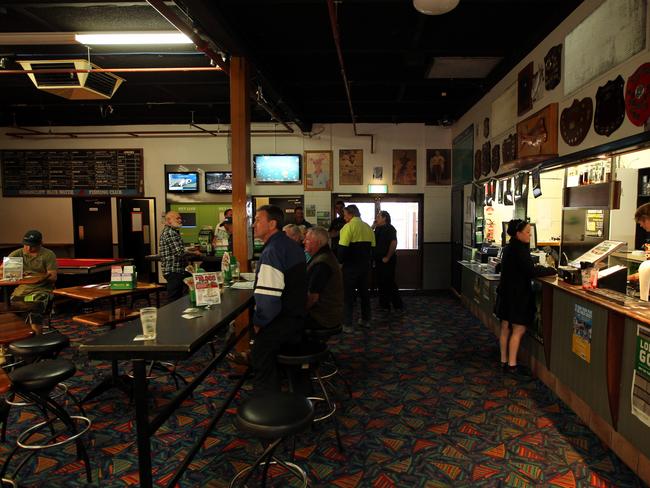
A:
(280, 296)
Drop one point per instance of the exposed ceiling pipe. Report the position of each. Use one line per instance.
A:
(337, 42)
(108, 70)
(42, 135)
(202, 45)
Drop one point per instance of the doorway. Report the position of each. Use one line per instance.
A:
(136, 231)
(406, 217)
(93, 228)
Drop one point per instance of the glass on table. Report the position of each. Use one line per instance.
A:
(148, 318)
(220, 281)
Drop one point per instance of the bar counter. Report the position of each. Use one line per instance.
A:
(597, 386)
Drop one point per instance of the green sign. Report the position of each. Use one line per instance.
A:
(643, 356)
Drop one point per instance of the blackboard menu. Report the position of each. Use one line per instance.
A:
(72, 173)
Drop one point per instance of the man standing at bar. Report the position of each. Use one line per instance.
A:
(280, 297)
(355, 252)
(172, 255)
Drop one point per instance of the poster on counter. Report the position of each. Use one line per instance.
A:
(641, 381)
(581, 340)
(206, 286)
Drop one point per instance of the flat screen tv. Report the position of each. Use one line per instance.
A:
(183, 182)
(189, 220)
(218, 181)
(283, 169)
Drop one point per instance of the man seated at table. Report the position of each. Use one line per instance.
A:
(172, 255)
(280, 295)
(36, 260)
(324, 282)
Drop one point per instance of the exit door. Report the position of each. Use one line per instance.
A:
(406, 217)
(136, 231)
(93, 229)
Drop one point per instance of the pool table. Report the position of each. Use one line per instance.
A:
(87, 266)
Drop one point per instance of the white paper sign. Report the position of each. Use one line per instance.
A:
(207, 289)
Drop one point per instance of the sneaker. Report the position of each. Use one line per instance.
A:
(347, 328)
(364, 323)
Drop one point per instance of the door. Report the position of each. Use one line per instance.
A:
(406, 217)
(136, 231)
(457, 230)
(93, 228)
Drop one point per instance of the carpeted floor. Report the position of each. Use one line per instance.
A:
(430, 408)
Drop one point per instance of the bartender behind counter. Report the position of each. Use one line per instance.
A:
(642, 217)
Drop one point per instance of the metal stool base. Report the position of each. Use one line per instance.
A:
(59, 390)
(24, 436)
(291, 467)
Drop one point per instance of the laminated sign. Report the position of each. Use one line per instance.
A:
(641, 380)
(206, 286)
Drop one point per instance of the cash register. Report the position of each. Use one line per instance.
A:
(613, 278)
(486, 252)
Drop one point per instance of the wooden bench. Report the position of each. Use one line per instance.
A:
(106, 318)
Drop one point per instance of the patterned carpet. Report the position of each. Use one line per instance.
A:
(430, 408)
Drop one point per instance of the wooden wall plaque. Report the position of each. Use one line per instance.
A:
(537, 135)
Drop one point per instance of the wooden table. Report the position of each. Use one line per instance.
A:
(27, 279)
(177, 338)
(92, 293)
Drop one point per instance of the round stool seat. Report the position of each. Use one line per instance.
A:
(325, 333)
(38, 345)
(275, 415)
(303, 353)
(43, 375)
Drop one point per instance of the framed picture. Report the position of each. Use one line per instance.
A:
(318, 170)
(378, 173)
(351, 167)
(438, 167)
(405, 167)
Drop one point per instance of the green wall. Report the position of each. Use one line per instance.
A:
(206, 214)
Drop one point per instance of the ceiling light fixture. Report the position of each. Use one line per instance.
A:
(435, 7)
(132, 38)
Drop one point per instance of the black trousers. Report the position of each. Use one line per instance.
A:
(355, 279)
(175, 286)
(268, 343)
(388, 291)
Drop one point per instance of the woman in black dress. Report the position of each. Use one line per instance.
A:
(515, 304)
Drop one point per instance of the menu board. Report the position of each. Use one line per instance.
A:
(72, 173)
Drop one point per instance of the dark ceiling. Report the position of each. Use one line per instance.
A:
(387, 47)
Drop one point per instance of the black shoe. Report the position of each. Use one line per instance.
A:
(503, 365)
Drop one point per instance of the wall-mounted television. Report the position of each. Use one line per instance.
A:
(189, 220)
(218, 181)
(283, 169)
(183, 182)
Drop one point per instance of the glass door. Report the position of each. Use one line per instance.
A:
(406, 216)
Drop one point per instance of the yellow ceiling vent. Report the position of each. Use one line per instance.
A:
(69, 83)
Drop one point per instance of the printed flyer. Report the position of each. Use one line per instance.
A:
(206, 286)
(581, 340)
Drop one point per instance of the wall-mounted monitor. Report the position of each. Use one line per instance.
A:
(183, 182)
(218, 181)
(283, 169)
(189, 220)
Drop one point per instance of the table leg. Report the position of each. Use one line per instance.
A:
(142, 423)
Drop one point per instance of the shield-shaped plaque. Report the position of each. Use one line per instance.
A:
(486, 155)
(576, 120)
(553, 67)
(477, 164)
(637, 100)
(610, 107)
(496, 158)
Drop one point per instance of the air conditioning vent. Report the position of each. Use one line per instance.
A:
(74, 86)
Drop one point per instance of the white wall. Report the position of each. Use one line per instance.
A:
(484, 107)
(54, 215)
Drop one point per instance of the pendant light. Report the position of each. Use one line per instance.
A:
(435, 7)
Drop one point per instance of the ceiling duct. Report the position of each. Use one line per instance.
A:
(76, 82)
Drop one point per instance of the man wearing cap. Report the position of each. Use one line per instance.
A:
(36, 260)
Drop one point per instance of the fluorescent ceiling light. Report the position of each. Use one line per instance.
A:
(132, 38)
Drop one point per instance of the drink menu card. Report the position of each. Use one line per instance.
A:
(12, 268)
(207, 289)
(598, 252)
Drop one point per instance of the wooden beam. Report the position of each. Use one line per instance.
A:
(241, 159)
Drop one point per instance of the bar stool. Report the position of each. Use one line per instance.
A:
(273, 417)
(309, 356)
(35, 382)
(32, 350)
(330, 367)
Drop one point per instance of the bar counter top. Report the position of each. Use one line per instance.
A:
(633, 308)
